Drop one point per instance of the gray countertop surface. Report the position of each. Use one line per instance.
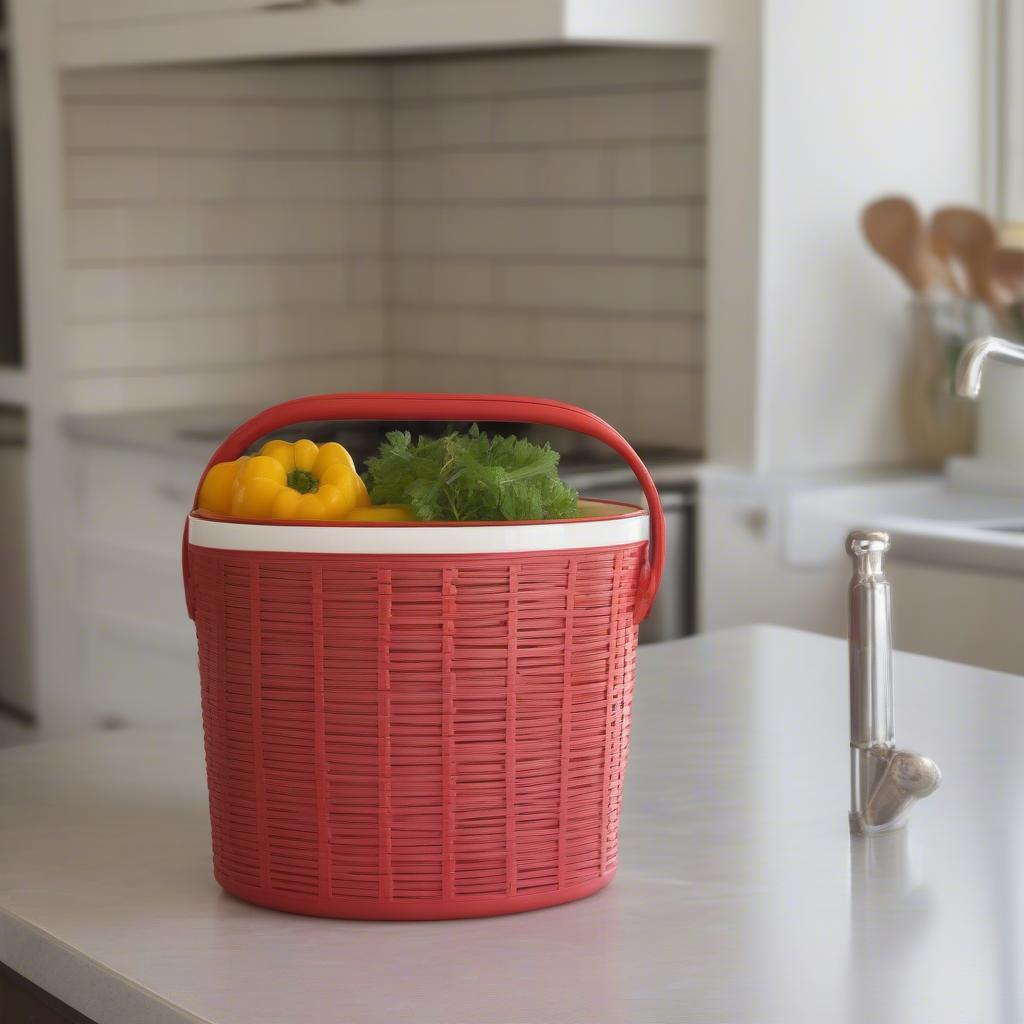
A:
(741, 896)
(185, 432)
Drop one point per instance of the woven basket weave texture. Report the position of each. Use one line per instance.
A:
(415, 736)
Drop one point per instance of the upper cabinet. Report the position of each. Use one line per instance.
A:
(1004, 122)
(106, 33)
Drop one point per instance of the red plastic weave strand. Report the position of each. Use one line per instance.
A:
(563, 788)
(614, 680)
(384, 731)
(255, 662)
(448, 796)
(319, 735)
(510, 729)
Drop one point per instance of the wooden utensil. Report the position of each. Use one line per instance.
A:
(953, 275)
(969, 238)
(894, 228)
(1008, 274)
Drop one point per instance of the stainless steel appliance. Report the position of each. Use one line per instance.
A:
(673, 614)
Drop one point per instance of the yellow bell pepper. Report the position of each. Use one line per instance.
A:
(382, 514)
(301, 481)
(215, 494)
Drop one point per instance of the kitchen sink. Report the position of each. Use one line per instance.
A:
(930, 521)
(1014, 527)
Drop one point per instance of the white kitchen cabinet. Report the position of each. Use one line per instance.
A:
(136, 641)
(1013, 165)
(742, 574)
(959, 614)
(1004, 120)
(134, 500)
(764, 559)
(108, 33)
(132, 587)
(138, 675)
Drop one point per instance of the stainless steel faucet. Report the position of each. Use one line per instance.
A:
(971, 364)
(884, 782)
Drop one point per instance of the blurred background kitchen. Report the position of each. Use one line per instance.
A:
(652, 208)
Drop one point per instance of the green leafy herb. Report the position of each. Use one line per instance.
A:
(467, 476)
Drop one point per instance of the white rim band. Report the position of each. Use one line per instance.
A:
(418, 540)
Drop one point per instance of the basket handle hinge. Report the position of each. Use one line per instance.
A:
(646, 591)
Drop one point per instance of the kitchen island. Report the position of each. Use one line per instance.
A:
(740, 894)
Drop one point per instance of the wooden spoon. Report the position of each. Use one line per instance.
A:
(1008, 274)
(970, 238)
(952, 274)
(894, 228)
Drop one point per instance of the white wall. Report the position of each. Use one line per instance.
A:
(853, 100)
(733, 314)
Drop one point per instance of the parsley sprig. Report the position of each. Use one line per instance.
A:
(469, 476)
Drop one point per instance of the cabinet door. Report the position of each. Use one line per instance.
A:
(138, 646)
(1004, 121)
(137, 675)
(1013, 160)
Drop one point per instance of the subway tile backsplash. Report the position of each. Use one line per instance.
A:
(528, 222)
(225, 233)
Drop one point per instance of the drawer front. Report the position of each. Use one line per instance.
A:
(139, 676)
(134, 587)
(135, 500)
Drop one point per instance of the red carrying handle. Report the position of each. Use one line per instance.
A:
(473, 408)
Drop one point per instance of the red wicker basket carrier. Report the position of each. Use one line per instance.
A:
(419, 720)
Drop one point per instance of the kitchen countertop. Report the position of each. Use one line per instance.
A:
(740, 896)
(191, 432)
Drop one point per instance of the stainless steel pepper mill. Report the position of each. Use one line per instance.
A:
(884, 782)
